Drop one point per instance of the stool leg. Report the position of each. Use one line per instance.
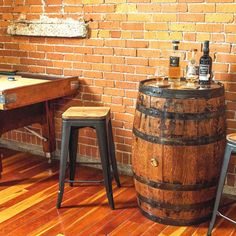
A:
(224, 168)
(103, 148)
(112, 153)
(0, 166)
(63, 160)
(73, 152)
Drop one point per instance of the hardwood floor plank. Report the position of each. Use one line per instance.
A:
(66, 216)
(125, 228)
(23, 205)
(111, 225)
(44, 217)
(11, 193)
(16, 190)
(155, 229)
(16, 178)
(233, 233)
(16, 163)
(142, 228)
(28, 194)
(189, 230)
(96, 226)
(86, 220)
(173, 231)
(50, 203)
(8, 227)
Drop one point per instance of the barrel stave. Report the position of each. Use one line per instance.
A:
(183, 165)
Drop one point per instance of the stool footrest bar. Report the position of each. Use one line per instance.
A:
(225, 217)
(90, 163)
(84, 181)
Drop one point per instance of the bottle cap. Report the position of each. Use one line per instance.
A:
(206, 43)
(175, 44)
(206, 46)
(175, 41)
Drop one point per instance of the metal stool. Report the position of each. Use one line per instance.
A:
(99, 119)
(230, 147)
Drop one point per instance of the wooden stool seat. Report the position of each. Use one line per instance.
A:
(87, 113)
(231, 138)
(98, 118)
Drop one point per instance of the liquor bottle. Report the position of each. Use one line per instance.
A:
(192, 68)
(205, 65)
(174, 68)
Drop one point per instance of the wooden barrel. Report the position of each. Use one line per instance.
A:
(177, 152)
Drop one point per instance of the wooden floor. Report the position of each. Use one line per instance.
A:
(28, 192)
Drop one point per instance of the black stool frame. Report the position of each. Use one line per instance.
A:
(70, 130)
(230, 147)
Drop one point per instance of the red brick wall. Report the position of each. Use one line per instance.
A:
(128, 40)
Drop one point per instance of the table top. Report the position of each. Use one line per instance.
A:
(18, 81)
(25, 89)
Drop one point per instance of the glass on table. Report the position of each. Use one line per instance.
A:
(191, 80)
(160, 75)
(191, 75)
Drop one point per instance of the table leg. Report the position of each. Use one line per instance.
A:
(48, 130)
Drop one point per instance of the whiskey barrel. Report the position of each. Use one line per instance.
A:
(177, 151)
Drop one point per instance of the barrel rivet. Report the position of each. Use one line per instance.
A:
(154, 162)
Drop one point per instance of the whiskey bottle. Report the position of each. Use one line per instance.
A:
(174, 68)
(205, 65)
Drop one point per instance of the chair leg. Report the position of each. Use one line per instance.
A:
(112, 154)
(73, 153)
(224, 168)
(103, 148)
(63, 159)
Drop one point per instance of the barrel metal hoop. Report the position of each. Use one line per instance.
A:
(179, 141)
(178, 208)
(180, 94)
(180, 116)
(175, 187)
(169, 221)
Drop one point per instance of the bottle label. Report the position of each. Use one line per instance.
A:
(204, 72)
(174, 61)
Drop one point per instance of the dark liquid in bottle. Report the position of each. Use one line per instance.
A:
(205, 65)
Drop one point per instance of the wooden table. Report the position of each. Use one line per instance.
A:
(26, 100)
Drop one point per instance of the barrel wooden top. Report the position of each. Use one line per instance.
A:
(17, 82)
(86, 113)
(182, 90)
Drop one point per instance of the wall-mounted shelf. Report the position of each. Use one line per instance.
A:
(49, 27)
